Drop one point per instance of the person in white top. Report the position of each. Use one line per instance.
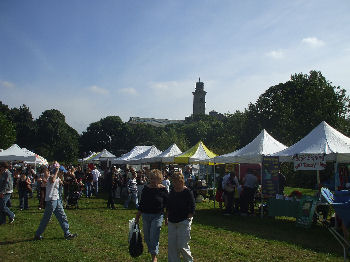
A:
(95, 175)
(229, 185)
(54, 205)
(166, 181)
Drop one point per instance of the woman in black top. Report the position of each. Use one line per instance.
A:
(24, 187)
(153, 201)
(180, 211)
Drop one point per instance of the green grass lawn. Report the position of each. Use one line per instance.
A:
(103, 233)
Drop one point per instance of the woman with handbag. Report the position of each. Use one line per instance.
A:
(154, 199)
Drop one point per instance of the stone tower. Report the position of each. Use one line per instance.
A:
(199, 99)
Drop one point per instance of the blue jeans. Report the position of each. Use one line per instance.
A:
(23, 199)
(152, 224)
(4, 210)
(88, 188)
(95, 187)
(134, 197)
(53, 206)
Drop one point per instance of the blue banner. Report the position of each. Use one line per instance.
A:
(270, 178)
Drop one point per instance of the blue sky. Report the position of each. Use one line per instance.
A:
(90, 59)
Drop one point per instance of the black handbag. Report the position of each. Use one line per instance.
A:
(135, 243)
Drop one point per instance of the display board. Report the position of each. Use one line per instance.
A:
(270, 178)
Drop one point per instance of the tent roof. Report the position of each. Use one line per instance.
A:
(263, 144)
(167, 156)
(131, 154)
(196, 154)
(38, 159)
(103, 155)
(323, 139)
(15, 153)
(145, 156)
(88, 157)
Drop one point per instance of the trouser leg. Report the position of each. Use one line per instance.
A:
(173, 254)
(49, 208)
(62, 217)
(183, 238)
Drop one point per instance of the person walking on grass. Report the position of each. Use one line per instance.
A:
(6, 190)
(132, 191)
(54, 205)
(180, 211)
(153, 201)
(24, 188)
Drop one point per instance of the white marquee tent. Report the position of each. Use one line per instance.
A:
(85, 159)
(127, 156)
(323, 139)
(145, 156)
(167, 156)
(264, 144)
(15, 153)
(104, 155)
(38, 159)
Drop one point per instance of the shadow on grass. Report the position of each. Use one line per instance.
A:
(4, 243)
(316, 238)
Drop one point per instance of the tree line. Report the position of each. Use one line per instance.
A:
(288, 111)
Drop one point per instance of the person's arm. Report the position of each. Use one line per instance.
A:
(53, 178)
(137, 218)
(192, 205)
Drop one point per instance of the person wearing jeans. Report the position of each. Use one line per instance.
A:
(180, 211)
(132, 192)
(154, 199)
(54, 205)
(23, 185)
(6, 189)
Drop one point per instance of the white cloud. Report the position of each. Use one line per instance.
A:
(128, 91)
(7, 84)
(172, 89)
(313, 41)
(276, 54)
(98, 90)
(165, 86)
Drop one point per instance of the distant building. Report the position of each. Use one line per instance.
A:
(217, 115)
(199, 99)
(198, 109)
(153, 121)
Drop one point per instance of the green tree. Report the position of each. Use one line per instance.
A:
(56, 140)
(25, 126)
(7, 132)
(108, 133)
(290, 110)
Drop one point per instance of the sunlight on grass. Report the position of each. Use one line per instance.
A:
(102, 236)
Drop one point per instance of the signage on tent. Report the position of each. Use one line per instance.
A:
(309, 162)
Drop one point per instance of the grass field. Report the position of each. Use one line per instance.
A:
(102, 236)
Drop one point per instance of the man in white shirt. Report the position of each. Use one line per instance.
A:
(54, 205)
(95, 175)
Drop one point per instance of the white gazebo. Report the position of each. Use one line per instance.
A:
(15, 153)
(131, 154)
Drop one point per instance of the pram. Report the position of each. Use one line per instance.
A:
(73, 196)
(340, 201)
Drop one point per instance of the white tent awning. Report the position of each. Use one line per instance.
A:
(263, 145)
(323, 139)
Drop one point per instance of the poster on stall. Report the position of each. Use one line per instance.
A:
(309, 162)
(270, 168)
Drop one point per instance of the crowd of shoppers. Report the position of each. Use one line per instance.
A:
(158, 196)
